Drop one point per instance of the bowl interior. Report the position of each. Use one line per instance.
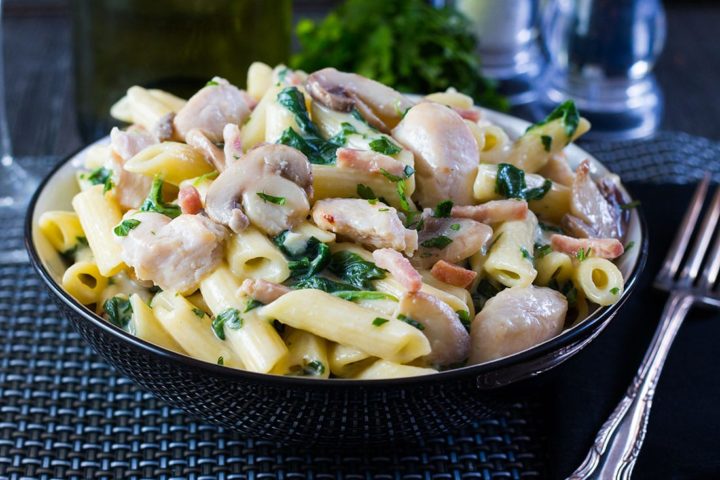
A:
(57, 191)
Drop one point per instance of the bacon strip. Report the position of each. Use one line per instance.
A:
(368, 161)
(599, 247)
(189, 200)
(399, 267)
(493, 211)
(262, 290)
(472, 114)
(452, 274)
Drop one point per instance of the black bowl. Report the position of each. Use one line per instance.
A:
(321, 412)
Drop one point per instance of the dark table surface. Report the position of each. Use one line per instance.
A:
(41, 115)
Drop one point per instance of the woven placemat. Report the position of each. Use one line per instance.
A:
(64, 413)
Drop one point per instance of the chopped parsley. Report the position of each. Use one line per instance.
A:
(220, 360)
(630, 206)
(384, 146)
(155, 203)
(340, 138)
(525, 254)
(443, 209)
(354, 295)
(271, 199)
(439, 242)
(542, 250)
(252, 304)
(510, 183)
(119, 311)
(373, 201)
(629, 245)
(124, 227)
(314, 368)
(358, 116)
(351, 268)
(583, 254)
(198, 313)
(411, 321)
(229, 318)
(549, 228)
(464, 317)
(546, 141)
(455, 227)
(567, 113)
(101, 176)
(365, 192)
(379, 321)
(400, 187)
(211, 83)
(615, 290)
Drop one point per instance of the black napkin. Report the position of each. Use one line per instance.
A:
(683, 438)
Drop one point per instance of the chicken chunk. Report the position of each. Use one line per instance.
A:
(375, 226)
(449, 239)
(130, 188)
(262, 290)
(589, 206)
(446, 153)
(516, 319)
(175, 254)
(210, 109)
(368, 161)
(449, 340)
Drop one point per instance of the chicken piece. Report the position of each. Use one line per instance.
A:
(271, 186)
(494, 211)
(375, 226)
(590, 206)
(516, 319)
(453, 274)
(400, 268)
(175, 254)
(446, 153)
(213, 155)
(597, 247)
(189, 200)
(472, 114)
(381, 106)
(233, 149)
(449, 340)
(368, 161)
(210, 109)
(163, 130)
(130, 188)
(558, 170)
(449, 239)
(261, 290)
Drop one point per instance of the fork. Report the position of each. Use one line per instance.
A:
(618, 443)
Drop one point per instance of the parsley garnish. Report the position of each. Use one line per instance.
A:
(615, 290)
(340, 138)
(439, 242)
(229, 318)
(547, 142)
(411, 321)
(542, 250)
(119, 311)
(629, 245)
(510, 183)
(583, 254)
(324, 284)
(443, 209)
(384, 146)
(455, 227)
(549, 228)
(314, 368)
(526, 254)
(271, 199)
(211, 83)
(252, 304)
(205, 176)
(631, 205)
(568, 113)
(198, 313)
(155, 203)
(379, 321)
(124, 227)
(220, 360)
(365, 192)
(400, 187)
(101, 176)
(464, 317)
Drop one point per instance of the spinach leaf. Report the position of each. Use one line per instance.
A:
(411, 321)
(317, 257)
(324, 284)
(567, 112)
(155, 203)
(252, 304)
(119, 311)
(101, 176)
(124, 227)
(365, 192)
(340, 138)
(351, 268)
(484, 292)
(464, 317)
(379, 321)
(384, 146)
(229, 318)
(353, 296)
(443, 209)
(510, 183)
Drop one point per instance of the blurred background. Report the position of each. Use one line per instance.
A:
(60, 80)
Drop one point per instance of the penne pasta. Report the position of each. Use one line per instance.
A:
(84, 282)
(509, 259)
(251, 255)
(599, 280)
(62, 229)
(147, 327)
(172, 161)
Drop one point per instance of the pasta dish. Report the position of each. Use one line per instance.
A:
(325, 225)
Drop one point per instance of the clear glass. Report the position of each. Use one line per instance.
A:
(16, 184)
(601, 54)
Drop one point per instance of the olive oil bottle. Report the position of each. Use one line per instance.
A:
(175, 45)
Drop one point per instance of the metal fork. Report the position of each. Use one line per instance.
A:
(617, 444)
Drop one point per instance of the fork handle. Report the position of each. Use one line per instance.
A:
(617, 444)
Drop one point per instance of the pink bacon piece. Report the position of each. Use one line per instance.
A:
(471, 114)
(262, 290)
(452, 274)
(189, 200)
(598, 247)
(493, 211)
(368, 161)
(400, 268)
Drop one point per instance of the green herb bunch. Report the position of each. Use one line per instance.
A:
(405, 44)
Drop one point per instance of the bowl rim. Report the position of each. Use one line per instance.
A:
(565, 338)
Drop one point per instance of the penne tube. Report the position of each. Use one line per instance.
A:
(84, 282)
(147, 327)
(259, 79)
(62, 229)
(347, 361)
(344, 322)
(251, 255)
(509, 259)
(253, 132)
(599, 280)
(553, 266)
(385, 369)
(173, 161)
(307, 356)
